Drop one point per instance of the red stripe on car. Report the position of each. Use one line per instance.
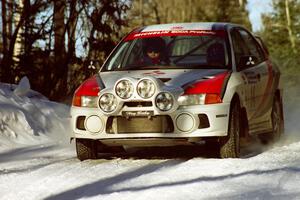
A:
(149, 34)
(89, 87)
(213, 85)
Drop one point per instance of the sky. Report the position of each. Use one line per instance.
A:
(256, 8)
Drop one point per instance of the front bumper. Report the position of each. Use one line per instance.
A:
(186, 128)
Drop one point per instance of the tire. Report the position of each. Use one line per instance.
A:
(86, 149)
(277, 120)
(230, 145)
(277, 124)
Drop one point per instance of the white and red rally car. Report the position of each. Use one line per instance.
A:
(180, 84)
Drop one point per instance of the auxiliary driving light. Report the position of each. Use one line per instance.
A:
(164, 101)
(146, 88)
(108, 102)
(124, 89)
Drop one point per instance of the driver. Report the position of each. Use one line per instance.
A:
(154, 52)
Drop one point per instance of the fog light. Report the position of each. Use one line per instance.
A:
(185, 122)
(94, 124)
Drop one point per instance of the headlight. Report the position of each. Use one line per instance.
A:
(195, 99)
(164, 101)
(89, 101)
(124, 89)
(108, 102)
(146, 88)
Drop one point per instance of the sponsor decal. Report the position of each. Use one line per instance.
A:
(129, 114)
(251, 76)
(176, 32)
(177, 28)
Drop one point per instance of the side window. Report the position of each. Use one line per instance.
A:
(238, 46)
(136, 53)
(253, 46)
(115, 61)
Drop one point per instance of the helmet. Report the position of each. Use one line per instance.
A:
(156, 44)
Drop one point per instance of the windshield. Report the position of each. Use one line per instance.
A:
(168, 50)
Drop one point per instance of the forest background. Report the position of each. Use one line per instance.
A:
(53, 41)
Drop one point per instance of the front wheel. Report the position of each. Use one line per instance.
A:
(230, 145)
(86, 149)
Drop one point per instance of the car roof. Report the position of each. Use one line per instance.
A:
(211, 26)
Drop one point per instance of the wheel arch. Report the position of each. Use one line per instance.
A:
(243, 115)
(235, 99)
(278, 95)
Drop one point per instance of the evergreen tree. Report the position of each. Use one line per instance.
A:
(281, 34)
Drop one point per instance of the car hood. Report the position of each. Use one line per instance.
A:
(172, 77)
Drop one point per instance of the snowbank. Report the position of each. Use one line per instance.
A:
(29, 118)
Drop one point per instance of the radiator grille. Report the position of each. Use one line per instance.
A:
(156, 124)
(138, 104)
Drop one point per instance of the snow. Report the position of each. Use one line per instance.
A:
(23, 88)
(37, 161)
(27, 117)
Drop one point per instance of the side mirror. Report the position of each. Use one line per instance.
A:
(247, 61)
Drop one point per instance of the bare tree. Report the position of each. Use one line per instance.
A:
(18, 43)
(39, 39)
(289, 26)
(9, 42)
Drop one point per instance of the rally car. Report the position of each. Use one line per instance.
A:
(180, 84)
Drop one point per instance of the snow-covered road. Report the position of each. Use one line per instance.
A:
(37, 162)
(53, 172)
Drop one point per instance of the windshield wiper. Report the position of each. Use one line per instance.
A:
(137, 67)
(192, 51)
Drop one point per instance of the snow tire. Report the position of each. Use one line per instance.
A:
(277, 124)
(86, 149)
(277, 120)
(230, 145)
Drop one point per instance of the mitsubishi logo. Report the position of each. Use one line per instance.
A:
(250, 61)
(91, 65)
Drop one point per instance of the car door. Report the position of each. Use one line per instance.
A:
(261, 76)
(240, 50)
(255, 75)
